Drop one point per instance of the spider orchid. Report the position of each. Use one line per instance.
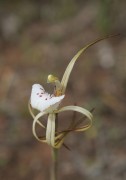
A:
(50, 105)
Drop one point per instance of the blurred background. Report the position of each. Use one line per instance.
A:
(40, 37)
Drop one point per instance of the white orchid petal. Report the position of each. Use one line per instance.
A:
(42, 101)
(50, 131)
(34, 124)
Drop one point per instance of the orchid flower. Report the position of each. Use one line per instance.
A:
(49, 105)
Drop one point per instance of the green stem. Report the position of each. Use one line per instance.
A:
(54, 169)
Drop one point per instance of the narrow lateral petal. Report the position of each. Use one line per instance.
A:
(78, 109)
(59, 139)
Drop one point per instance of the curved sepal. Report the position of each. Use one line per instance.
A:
(69, 68)
(50, 130)
(34, 125)
(32, 114)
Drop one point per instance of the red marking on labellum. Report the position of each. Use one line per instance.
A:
(40, 96)
(46, 99)
(37, 93)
